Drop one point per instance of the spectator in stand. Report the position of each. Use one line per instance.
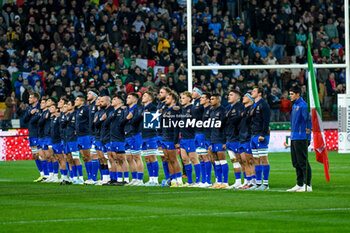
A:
(322, 77)
(38, 88)
(300, 53)
(285, 107)
(331, 29)
(280, 42)
(331, 85)
(82, 42)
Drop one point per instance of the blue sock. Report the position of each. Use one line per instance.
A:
(218, 169)
(166, 170)
(126, 175)
(74, 172)
(140, 175)
(44, 165)
(249, 178)
(266, 172)
(112, 175)
(55, 167)
(244, 175)
(225, 171)
(203, 172)
(106, 172)
(238, 175)
(120, 175)
(95, 164)
(215, 171)
(80, 171)
(49, 166)
(134, 175)
(87, 168)
(172, 176)
(178, 175)
(197, 172)
(208, 171)
(38, 165)
(258, 173)
(253, 177)
(149, 169)
(155, 168)
(67, 166)
(188, 169)
(63, 172)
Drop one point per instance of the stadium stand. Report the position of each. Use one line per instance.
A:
(66, 47)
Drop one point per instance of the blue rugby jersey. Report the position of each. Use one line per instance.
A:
(82, 121)
(116, 119)
(32, 120)
(149, 133)
(245, 132)
(133, 126)
(187, 132)
(233, 115)
(197, 111)
(44, 124)
(261, 119)
(218, 133)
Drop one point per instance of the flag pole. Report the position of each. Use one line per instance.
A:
(307, 120)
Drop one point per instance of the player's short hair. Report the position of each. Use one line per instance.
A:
(261, 90)
(134, 95)
(64, 98)
(71, 101)
(167, 89)
(236, 92)
(150, 94)
(53, 100)
(81, 97)
(188, 94)
(174, 96)
(108, 98)
(296, 89)
(119, 96)
(216, 95)
(55, 105)
(35, 95)
(207, 94)
(44, 98)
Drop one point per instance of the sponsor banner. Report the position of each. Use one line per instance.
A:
(14, 146)
(280, 140)
(343, 123)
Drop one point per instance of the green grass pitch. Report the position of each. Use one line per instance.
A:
(40, 207)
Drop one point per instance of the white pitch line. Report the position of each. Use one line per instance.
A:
(172, 215)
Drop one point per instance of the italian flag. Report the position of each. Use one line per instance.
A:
(316, 116)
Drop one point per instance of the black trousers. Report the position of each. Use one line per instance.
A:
(299, 154)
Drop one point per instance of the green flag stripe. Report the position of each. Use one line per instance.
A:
(313, 82)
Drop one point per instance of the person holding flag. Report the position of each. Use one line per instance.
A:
(300, 140)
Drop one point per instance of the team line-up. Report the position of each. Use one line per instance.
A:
(113, 136)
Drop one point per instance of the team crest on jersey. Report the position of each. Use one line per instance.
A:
(189, 110)
(218, 114)
(119, 111)
(297, 108)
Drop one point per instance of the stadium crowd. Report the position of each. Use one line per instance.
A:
(63, 47)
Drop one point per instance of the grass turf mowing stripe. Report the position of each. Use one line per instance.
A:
(175, 215)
